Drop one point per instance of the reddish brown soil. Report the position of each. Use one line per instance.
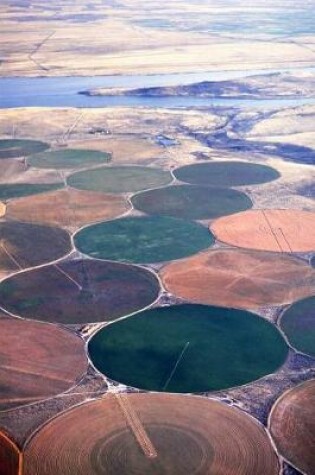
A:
(67, 208)
(268, 230)
(151, 434)
(292, 425)
(9, 456)
(37, 361)
(79, 291)
(243, 279)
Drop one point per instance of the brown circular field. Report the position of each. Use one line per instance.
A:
(67, 208)
(9, 456)
(37, 361)
(151, 434)
(2, 209)
(283, 230)
(242, 279)
(25, 245)
(292, 425)
(79, 291)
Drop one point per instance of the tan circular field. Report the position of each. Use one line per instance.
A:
(2, 209)
(269, 230)
(37, 361)
(67, 208)
(242, 279)
(292, 425)
(151, 434)
(9, 456)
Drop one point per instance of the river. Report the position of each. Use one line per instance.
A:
(64, 91)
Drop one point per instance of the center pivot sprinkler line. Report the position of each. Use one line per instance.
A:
(274, 233)
(176, 365)
(68, 277)
(10, 255)
(136, 426)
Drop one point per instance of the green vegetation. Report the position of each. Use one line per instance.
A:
(298, 323)
(120, 179)
(69, 158)
(192, 202)
(226, 174)
(26, 189)
(188, 348)
(148, 239)
(11, 148)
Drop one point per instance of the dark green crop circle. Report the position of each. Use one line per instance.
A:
(188, 348)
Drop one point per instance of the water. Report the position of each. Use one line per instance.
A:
(64, 91)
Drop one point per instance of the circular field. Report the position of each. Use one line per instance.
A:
(226, 174)
(188, 348)
(143, 240)
(192, 202)
(68, 158)
(298, 323)
(151, 434)
(26, 245)
(9, 456)
(242, 279)
(37, 361)
(20, 148)
(292, 425)
(68, 208)
(19, 190)
(2, 209)
(120, 179)
(79, 291)
(282, 230)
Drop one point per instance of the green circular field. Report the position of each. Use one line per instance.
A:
(298, 323)
(120, 179)
(188, 348)
(192, 202)
(143, 240)
(69, 158)
(18, 190)
(11, 148)
(226, 174)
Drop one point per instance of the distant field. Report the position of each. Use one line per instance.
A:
(277, 230)
(26, 245)
(19, 190)
(79, 291)
(120, 179)
(239, 278)
(151, 434)
(292, 426)
(20, 148)
(37, 361)
(188, 348)
(68, 158)
(9, 456)
(143, 240)
(226, 174)
(192, 202)
(298, 323)
(68, 208)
